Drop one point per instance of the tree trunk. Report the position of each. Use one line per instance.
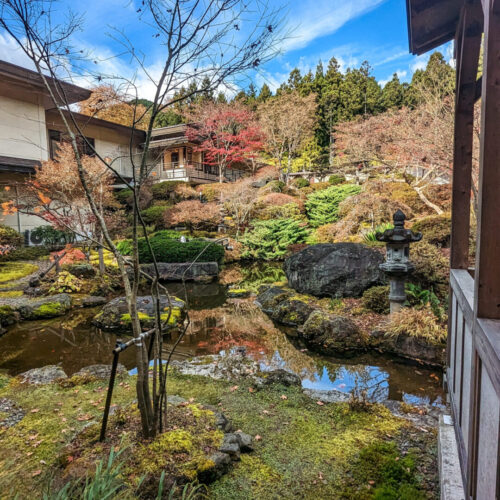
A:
(100, 251)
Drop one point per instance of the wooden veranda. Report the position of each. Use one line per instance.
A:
(473, 371)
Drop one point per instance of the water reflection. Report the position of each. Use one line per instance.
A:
(219, 326)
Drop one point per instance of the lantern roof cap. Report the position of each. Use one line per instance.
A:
(398, 234)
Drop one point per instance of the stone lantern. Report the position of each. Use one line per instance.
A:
(397, 265)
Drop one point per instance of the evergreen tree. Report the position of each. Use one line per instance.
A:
(438, 77)
(265, 93)
(393, 93)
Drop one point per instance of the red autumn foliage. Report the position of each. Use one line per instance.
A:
(71, 256)
(227, 134)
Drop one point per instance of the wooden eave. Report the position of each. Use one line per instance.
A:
(32, 81)
(431, 23)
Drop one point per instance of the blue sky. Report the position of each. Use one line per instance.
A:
(350, 30)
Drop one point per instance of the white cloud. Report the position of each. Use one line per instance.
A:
(11, 52)
(420, 62)
(323, 17)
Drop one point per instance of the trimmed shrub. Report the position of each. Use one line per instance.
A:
(270, 239)
(288, 211)
(322, 206)
(435, 228)
(300, 183)
(431, 268)
(398, 192)
(376, 299)
(275, 186)
(125, 196)
(163, 190)
(336, 179)
(166, 249)
(53, 237)
(154, 215)
(25, 253)
(9, 236)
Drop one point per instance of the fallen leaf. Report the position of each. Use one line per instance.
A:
(258, 438)
(234, 388)
(320, 403)
(283, 396)
(36, 473)
(251, 389)
(35, 410)
(371, 482)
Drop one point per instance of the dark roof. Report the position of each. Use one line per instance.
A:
(23, 77)
(90, 120)
(22, 165)
(431, 23)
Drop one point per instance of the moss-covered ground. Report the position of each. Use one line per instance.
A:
(302, 449)
(11, 271)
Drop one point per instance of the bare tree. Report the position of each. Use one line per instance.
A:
(200, 40)
(287, 121)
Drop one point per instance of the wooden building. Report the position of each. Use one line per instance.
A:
(179, 160)
(473, 371)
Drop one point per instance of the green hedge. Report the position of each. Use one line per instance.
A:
(162, 190)
(25, 253)
(322, 206)
(166, 249)
(154, 215)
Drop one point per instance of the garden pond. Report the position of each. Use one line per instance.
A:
(219, 325)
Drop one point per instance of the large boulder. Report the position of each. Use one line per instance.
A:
(204, 272)
(410, 347)
(334, 269)
(284, 306)
(45, 307)
(115, 316)
(43, 375)
(331, 334)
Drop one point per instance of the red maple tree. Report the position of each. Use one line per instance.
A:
(227, 134)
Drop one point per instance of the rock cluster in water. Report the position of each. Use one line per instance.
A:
(115, 315)
(334, 334)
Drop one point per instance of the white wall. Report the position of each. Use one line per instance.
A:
(22, 129)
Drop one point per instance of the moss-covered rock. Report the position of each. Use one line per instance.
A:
(45, 307)
(332, 334)
(115, 315)
(8, 315)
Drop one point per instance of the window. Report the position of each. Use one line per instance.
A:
(84, 146)
(54, 140)
(174, 158)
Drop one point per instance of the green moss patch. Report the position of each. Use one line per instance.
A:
(11, 271)
(302, 449)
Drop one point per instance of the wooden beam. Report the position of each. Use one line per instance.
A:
(487, 278)
(468, 45)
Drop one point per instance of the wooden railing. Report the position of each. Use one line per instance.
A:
(473, 378)
(196, 172)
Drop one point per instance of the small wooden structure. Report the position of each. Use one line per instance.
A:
(473, 371)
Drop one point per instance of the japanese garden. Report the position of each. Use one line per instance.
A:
(217, 287)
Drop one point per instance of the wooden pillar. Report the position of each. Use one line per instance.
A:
(467, 46)
(487, 277)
